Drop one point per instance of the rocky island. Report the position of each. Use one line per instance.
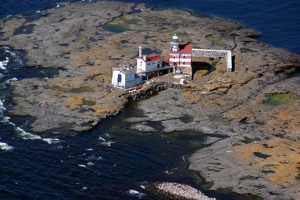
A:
(251, 116)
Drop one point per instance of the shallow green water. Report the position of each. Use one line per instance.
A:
(279, 98)
(121, 25)
(116, 28)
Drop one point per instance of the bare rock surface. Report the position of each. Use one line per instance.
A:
(182, 191)
(256, 108)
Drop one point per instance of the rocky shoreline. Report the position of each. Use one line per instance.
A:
(181, 191)
(251, 116)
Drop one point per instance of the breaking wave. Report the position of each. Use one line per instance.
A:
(4, 63)
(2, 108)
(29, 136)
(136, 193)
(5, 147)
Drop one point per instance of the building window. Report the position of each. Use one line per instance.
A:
(174, 56)
(184, 63)
(183, 56)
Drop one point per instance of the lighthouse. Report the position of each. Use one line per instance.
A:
(174, 44)
(180, 56)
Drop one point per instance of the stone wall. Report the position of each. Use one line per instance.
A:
(215, 54)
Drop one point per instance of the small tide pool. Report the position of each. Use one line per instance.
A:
(280, 98)
(122, 24)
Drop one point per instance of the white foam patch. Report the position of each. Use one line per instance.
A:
(51, 140)
(4, 63)
(28, 136)
(10, 52)
(6, 120)
(14, 55)
(1, 105)
(90, 164)
(5, 147)
(93, 157)
(80, 165)
(136, 193)
(2, 108)
(107, 144)
(10, 80)
(61, 4)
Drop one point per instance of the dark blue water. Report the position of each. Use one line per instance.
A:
(91, 165)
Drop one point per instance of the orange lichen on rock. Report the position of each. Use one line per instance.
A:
(88, 56)
(278, 158)
(285, 118)
(64, 83)
(74, 101)
(240, 113)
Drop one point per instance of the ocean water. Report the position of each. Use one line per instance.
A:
(92, 165)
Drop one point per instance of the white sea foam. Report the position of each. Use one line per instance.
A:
(5, 147)
(4, 63)
(90, 164)
(6, 120)
(2, 108)
(10, 80)
(80, 165)
(26, 135)
(136, 193)
(143, 187)
(93, 157)
(102, 139)
(108, 144)
(51, 140)
(90, 149)
(29, 136)
(13, 54)
(61, 4)
(1, 105)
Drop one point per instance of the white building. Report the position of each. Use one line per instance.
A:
(148, 63)
(180, 56)
(125, 77)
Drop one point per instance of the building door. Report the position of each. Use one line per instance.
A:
(119, 78)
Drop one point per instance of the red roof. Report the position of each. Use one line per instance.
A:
(152, 58)
(155, 57)
(188, 49)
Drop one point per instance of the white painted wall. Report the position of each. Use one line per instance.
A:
(145, 66)
(128, 79)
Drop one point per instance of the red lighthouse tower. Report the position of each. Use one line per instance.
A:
(180, 56)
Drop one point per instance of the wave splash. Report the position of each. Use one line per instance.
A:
(29, 136)
(4, 63)
(5, 147)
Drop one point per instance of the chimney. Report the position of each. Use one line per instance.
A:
(140, 52)
(145, 58)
